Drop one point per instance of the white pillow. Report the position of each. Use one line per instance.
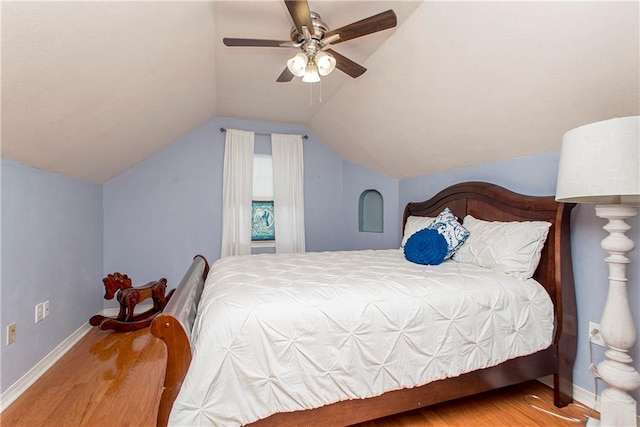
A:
(413, 225)
(510, 247)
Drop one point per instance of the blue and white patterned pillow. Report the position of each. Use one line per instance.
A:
(454, 233)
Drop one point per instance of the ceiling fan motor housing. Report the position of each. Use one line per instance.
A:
(319, 28)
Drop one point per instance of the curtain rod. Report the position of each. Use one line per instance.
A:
(223, 130)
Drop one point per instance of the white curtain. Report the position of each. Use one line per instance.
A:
(237, 193)
(288, 192)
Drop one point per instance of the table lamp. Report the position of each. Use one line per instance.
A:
(600, 163)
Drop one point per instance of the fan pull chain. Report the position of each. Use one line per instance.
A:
(311, 93)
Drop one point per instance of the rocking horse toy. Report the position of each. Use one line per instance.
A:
(128, 296)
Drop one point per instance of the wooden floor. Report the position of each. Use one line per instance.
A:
(106, 379)
(114, 379)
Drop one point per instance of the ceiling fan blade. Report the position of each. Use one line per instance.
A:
(346, 65)
(285, 76)
(370, 25)
(257, 42)
(301, 15)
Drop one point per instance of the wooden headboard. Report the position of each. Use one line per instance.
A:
(491, 202)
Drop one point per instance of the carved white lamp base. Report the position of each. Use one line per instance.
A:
(617, 407)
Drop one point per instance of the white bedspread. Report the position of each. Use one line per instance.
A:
(278, 333)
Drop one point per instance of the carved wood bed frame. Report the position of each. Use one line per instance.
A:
(484, 201)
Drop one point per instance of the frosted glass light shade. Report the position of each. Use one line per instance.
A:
(311, 73)
(326, 63)
(297, 64)
(600, 163)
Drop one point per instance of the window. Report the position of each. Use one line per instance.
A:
(262, 218)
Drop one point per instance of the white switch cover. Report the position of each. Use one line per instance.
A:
(38, 312)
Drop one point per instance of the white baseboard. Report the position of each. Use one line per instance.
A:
(580, 395)
(20, 386)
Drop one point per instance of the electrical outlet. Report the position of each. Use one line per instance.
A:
(45, 309)
(594, 334)
(11, 333)
(39, 312)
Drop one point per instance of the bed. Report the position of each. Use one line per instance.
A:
(391, 391)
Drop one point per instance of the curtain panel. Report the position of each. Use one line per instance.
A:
(237, 193)
(288, 192)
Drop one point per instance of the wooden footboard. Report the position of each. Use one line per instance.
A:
(173, 326)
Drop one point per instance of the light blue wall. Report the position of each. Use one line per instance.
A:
(168, 208)
(165, 210)
(356, 180)
(51, 250)
(536, 175)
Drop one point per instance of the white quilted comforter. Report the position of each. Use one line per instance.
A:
(278, 333)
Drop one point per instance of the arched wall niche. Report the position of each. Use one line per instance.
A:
(370, 212)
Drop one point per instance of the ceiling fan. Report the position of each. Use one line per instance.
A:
(313, 37)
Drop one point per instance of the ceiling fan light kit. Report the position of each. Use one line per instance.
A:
(298, 64)
(325, 62)
(312, 67)
(311, 74)
(313, 38)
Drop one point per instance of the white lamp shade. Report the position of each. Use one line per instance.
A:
(297, 64)
(311, 73)
(600, 163)
(326, 63)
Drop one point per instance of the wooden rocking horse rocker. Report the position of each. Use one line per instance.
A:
(128, 296)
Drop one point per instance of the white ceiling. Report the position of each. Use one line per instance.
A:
(89, 89)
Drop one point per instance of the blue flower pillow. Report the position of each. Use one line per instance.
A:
(427, 247)
(448, 226)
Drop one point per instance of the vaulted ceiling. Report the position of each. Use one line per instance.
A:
(89, 89)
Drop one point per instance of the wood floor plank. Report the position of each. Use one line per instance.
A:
(108, 378)
(115, 379)
(506, 407)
